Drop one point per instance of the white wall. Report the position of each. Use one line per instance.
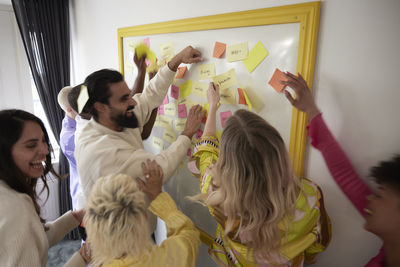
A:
(15, 86)
(357, 68)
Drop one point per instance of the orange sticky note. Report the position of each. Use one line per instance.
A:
(242, 99)
(219, 49)
(181, 72)
(275, 81)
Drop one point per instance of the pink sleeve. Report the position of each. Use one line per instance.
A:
(338, 164)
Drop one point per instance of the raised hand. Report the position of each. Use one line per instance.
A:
(193, 121)
(153, 174)
(213, 95)
(188, 55)
(304, 100)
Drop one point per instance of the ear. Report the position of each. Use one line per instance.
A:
(100, 107)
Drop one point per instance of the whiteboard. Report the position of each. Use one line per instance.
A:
(288, 33)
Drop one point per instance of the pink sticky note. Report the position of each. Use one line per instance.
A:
(147, 41)
(224, 116)
(182, 111)
(166, 100)
(175, 91)
(189, 152)
(199, 133)
(161, 110)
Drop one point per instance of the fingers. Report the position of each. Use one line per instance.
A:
(289, 97)
(140, 183)
(144, 168)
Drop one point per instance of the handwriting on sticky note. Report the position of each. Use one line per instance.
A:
(237, 52)
(182, 111)
(206, 71)
(164, 122)
(175, 91)
(169, 136)
(226, 80)
(276, 79)
(228, 96)
(180, 124)
(256, 56)
(167, 49)
(170, 109)
(224, 116)
(219, 49)
(181, 72)
(158, 143)
(199, 88)
(185, 89)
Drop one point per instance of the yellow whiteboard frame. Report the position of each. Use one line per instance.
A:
(307, 14)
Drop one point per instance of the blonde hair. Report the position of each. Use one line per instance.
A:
(116, 221)
(256, 184)
(62, 98)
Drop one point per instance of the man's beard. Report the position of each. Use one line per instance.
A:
(127, 122)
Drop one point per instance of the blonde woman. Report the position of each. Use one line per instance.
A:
(266, 215)
(117, 226)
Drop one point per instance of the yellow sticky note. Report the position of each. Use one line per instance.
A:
(169, 136)
(180, 124)
(226, 80)
(170, 109)
(219, 135)
(228, 96)
(82, 98)
(167, 49)
(185, 89)
(200, 88)
(206, 71)
(247, 100)
(164, 122)
(142, 49)
(132, 44)
(256, 56)
(158, 143)
(237, 52)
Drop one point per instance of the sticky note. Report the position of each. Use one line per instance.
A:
(181, 72)
(169, 136)
(147, 41)
(189, 152)
(243, 98)
(167, 50)
(179, 124)
(219, 133)
(226, 80)
(142, 49)
(256, 56)
(275, 80)
(182, 111)
(158, 143)
(199, 88)
(224, 116)
(185, 89)
(164, 122)
(153, 67)
(228, 96)
(219, 49)
(199, 133)
(166, 100)
(132, 44)
(170, 109)
(237, 52)
(82, 98)
(161, 110)
(247, 100)
(206, 71)
(175, 91)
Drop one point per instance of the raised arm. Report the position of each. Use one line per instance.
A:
(322, 139)
(213, 99)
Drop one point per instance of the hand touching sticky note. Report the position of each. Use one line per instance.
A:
(181, 72)
(142, 49)
(219, 49)
(206, 71)
(224, 116)
(276, 79)
(237, 52)
(256, 56)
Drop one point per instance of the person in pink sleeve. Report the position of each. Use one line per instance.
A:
(381, 208)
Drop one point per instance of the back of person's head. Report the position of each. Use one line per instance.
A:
(63, 98)
(388, 173)
(256, 184)
(13, 121)
(98, 86)
(116, 220)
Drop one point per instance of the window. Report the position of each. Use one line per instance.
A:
(39, 112)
